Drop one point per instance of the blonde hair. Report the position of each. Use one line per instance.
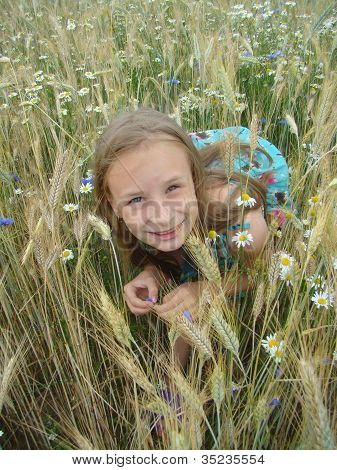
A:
(128, 130)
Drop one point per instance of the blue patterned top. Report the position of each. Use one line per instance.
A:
(277, 194)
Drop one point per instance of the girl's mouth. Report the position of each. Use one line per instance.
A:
(168, 235)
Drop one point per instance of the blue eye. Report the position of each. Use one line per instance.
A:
(139, 197)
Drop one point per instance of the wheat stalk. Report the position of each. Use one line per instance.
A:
(292, 124)
(229, 338)
(259, 300)
(226, 148)
(80, 228)
(203, 258)
(5, 380)
(39, 250)
(228, 90)
(135, 373)
(316, 235)
(315, 407)
(218, 386)
(58, 178)
(196, 335)
(52, 257)
(100, 226)
(190, 395)
(115, 318)
(254, 129)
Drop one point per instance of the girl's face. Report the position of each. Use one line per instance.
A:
(153, 191)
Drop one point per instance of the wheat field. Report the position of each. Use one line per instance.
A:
(77, 369)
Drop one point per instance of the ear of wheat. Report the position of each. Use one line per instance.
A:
(128, 365)
(314, 406)
(115, 318)
(292, 124)
(223, 329)
(218, 386)
(203, 258)
(58, 179)
(259, 300)
(227, 150)
(190, 395)
(254, 129)
(100, 226)
(195, 335)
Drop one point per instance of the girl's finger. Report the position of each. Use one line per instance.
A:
(134, 301)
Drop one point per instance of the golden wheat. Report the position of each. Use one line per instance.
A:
(58, 178)
(230, 341)
(218, 386)
(195, 335)
(116, 319)
(204, 259)
(314, 406)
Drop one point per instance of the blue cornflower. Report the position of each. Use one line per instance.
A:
(278, 372)
(282, 121)
(187, 315)
(273, 55)
(263, 119)
(173, 81)
(90, 179)
(246, 54)
(275, 402)
(15, 177)
(6, 221)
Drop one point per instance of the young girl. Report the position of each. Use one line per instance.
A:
(154, 187)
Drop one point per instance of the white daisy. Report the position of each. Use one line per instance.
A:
(286, 261)
(246, 200)
(1, 433)
(314, 200)
(277, 353)
(288, 276)
(67, 255)
(18, 191)
(71, 25)
(318, 282)
(242, 238)
(307, 233)
(270, 342)
(70, 207)
(86, 188)
(83, 91)
(212, 237)
(322, 299)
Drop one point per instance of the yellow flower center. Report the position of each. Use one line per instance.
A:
(212, 234)
(321, 301)
(242, 237)
(289, 215)
(278, 353)
(317, 281)
(273, 342)
(285, 261)
(245, 197)
(314, 199)
(312, 212)
(66, 253)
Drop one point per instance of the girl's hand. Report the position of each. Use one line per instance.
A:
(136, 292)
(184, 297)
